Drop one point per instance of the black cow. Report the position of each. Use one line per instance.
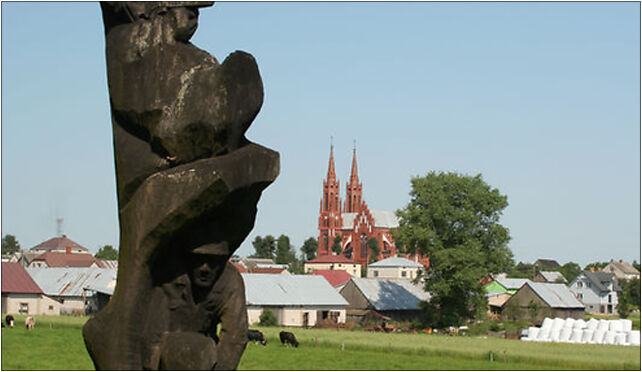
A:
(288, 338)
(10, 321)
(256, 336)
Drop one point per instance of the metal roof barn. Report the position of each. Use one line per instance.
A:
(556, 295)
(300, 290)
(391, 294)
(70, 281)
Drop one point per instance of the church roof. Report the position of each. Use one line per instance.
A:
(382, 219)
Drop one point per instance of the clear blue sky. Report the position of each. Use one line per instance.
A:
(542, 99)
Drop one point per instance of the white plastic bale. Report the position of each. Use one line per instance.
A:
(603, 325)
(579, 324)
(576, 337)
(592, 324)
(544, 334)
(569, 322)
(555, 334)
(627, 325)
(587, 335)
(532, 333)
(615, 325)
(558, 323)
(547, 323)
(633, 338)
(598, 336)
(609, 338)
(565, 334)
(620, 338)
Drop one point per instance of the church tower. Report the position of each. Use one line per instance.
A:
(330, 221)
(353, 188)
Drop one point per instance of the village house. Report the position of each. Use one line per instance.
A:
(295, 300)
(549, 277)
(622, 270)
(67, 286)
(536, 301)
(21, 294)
(394, 268)
(330, 262)
(59, 244)
(498, 284)
(396, 299)
(597, 290)
(545, 264)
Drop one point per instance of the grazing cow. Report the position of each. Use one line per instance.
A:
(30, 322)
(9, 319)
(288, 338)
(256, 336)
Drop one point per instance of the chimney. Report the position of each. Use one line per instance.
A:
(620, 261)
(67, 249)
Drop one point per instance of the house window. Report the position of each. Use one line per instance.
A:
(24, 308)
(579, 284)
(376, 273)
(50, 307)
(588, 284)
(403, 274)
(334, 315)
(610, 299)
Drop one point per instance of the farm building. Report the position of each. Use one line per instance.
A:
(331, 262)
(536, 301)
(295, 300)
(394, 298)
(336, 278)
(67, 286)
(496, 301)
(543, 264)
(597, 290)
(549, 277)
(622, 270)
(394, 268)
(62, 259)
(21, 294)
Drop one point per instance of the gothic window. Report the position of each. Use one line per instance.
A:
(364, 247)
(325, 242)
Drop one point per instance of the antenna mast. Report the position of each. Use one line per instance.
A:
(59, 226)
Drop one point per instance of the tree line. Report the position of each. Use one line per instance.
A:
(283, 252)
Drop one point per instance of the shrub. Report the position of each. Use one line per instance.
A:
(267, 318)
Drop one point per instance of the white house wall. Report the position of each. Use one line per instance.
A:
(392, 272)
(289, 316)
(37, 304)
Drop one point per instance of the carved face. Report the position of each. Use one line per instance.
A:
(184, 21)
(205, 269)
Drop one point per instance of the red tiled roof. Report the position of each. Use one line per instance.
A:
(266, 270)
(15, 279)
(331, 259)
(334, 277)
(240, 268)
(62, 259)
(60, 244)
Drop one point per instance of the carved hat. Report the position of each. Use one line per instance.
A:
(213, 249)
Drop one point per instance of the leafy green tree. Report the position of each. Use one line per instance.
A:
(10, 245)
(630, 292)
(309, 249)
(336, 245)
(521, 270)
(267, 319)
(107, 253)
(636, 265)
(373, 244)
(623, 307)
(454, 219)
(570, 270)
(284, 250)
(264, 247)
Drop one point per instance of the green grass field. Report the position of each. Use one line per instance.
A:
(56, 344)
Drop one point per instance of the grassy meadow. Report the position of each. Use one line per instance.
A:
(56, 344)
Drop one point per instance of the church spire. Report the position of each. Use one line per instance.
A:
(353, 187)
(331, 172)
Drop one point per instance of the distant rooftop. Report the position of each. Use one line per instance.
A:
(396, 262)
(59, 244)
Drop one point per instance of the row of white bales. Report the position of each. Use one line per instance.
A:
(578, 331)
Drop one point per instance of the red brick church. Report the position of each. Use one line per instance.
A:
(353, 221)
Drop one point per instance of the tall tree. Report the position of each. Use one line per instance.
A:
(107, 252)
(570, 270)
(454, 219)
(284, 250)
(9, 244)
(373, 244)
(336, 245)
(309, 249)
(264, 247)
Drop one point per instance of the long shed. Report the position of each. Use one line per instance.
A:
(295, 300)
